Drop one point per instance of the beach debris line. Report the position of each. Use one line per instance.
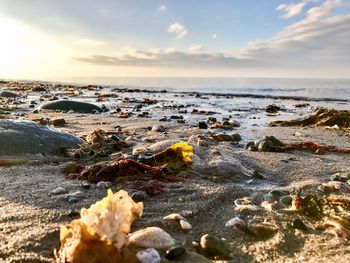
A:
(320, 117)
(162, 166)
(272, 144)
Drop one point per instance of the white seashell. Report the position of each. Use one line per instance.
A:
(139, 150)
(174, 217)
(151, 237)
(233, 222)
(149, 255)
(185, 226)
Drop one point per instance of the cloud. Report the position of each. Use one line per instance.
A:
(162, 8)
(214, 36)
(91, 42)
(319, 47)
(178, 29)
(291, 9)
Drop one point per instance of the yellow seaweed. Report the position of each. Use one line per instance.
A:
(184, 149)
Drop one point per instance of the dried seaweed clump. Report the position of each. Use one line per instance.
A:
(100, 234)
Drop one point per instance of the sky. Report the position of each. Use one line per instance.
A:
(50, 39)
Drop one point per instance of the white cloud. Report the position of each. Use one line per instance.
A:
(162, 8)
(292, 9)
(178, 29)
(214, 36)
(309, 47)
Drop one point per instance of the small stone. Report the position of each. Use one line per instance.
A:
(139, 196)
(139, 150)
(185, 226)
(235, 222)
(149, 255)
(158, 128)
(215, 246)
(85, 185)
(299, 224)
(236, 137)
(104, 185)
(73, 199)
(8, 94)
(163, 119)
(265, 146)
(73, 213)
(57, 122)
(252, 148)
(320, 152)
(272, 108)
(286, 200)
(58, 191)
(175, 252)
(202, 125)
(176, 117)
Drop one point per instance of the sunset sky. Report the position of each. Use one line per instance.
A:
(52, 39)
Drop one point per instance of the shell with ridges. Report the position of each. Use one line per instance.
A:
(151, 237)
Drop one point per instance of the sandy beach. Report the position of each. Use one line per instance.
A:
(225, 180)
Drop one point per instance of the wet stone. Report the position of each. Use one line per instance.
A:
(299, 224)
(68, 105)
(58, 191)
(286, 200)
(175, 252)
(27, 137)
(8, 94)
(158, 128)
(139, 196)
(202, 125)
(85, 185)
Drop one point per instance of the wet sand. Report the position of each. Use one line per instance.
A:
(30, 216)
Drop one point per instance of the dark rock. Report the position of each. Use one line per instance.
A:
(265, 146)
(176, 117)
(236, 137)
(57, 122)
(163, 119)
(202, 125)
(67, 105)
(158, 128)
(85, 185)
(272, 108)
(299, 224)
(175, 252)
(8, 94)
(139, 196)
(286, 200)
(27, 137)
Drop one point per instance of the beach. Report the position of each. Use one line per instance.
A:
(226, 179)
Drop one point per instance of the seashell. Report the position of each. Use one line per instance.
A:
(151, 237)
(139, 150)
(235, 222)
(149, 255)
(185, 226)
(174, 217)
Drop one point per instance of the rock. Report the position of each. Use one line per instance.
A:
(272, 108)
(299, 224)
(257, 175)
(163, 119)
(151, 237)
(176, 117)
(236, 137)
(158, 128)
(286, 200)
(149, 255)
(67, 105)
(27, 137)
(139, 196)
(8, 94)
(57, 122)
(185, 226)
(215, 246)
(104, 185)
(202, 125)
(223, 137)
(59, 190)
(85, 185)
(265, 146)
(175, 252)
(74, 197)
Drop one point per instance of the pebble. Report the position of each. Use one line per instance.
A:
(85, 185)
(8, 94)
(299, 224)
(139, 150)
(74, 197)
(202, 125)
(149, 255)
(235, 222)
(265, 146)
(185, 226)
(139, 196)
(215, 246)
(163, 119)
(236, 137)
(104, 185)
(286, 200)
(158, 128)
(58, 191)
(175, 252)
(57, 122)
(174, 217)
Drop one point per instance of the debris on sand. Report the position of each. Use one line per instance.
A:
(320, 117)
(100, 235)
